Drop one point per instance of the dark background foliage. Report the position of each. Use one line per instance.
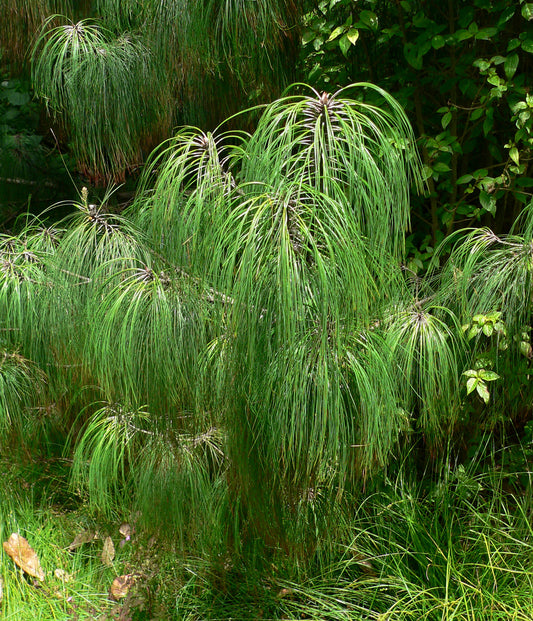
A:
(462, 72)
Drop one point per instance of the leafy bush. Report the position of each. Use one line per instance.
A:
(460, 72)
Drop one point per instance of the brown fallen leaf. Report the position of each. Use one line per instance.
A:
(24, 556)
(108, 552)
(87, 536)
(121, 586)
(126, 531)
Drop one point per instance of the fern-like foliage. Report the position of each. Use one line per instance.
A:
(23, 281)
(119, 83)
(95, 81)
(293, 236)
(487, 272)
(429, 351)
(175, 477)
(146, 332)
(108, 444)
(357, 154)
(21, 385)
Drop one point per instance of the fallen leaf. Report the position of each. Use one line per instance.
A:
(87, 536)
(284, 593)
(108, 552)
(126, 531)
(24, 556)
(121, 586)
(62, 575)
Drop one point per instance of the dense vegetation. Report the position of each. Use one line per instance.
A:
(291, 373)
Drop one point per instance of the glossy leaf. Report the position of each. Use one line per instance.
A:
(483, 392)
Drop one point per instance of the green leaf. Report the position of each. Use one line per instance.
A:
(462, 35)
(495, 80)
(473, 332)
(369, 18)
(441, 167)
(519, 105)
(483, 391)
(470, 373)
(525, 349)
(336, 32)
(315, 72)
(446, 120)
(480, 173)
(488, 202)
(18, 99)
(412, 56)
(344, 45)
(353, 35)
(527, 11)
(511, 65)
(482, 64)
(427, 172)
(308, 36)
(438, 41)
(488, 329)
(527, 46)
(506, 15)
(514, 154)
(486, 34)
(471, 384)
(488, 123)
(488, 376)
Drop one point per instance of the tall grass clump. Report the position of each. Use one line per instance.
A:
(95, 82)
(454, 548)
(119, 83)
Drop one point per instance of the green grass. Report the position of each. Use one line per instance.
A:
(77, 583)
(460, 549)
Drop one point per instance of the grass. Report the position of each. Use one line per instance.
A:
(460, 549)
(77, 583)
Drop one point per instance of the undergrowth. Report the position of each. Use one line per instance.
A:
(458, 548)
